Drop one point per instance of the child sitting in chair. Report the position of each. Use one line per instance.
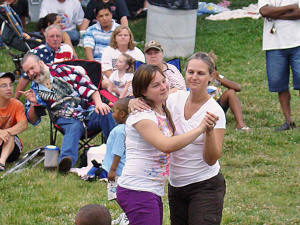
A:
(228, 98)
(122, 77)
(114, 159)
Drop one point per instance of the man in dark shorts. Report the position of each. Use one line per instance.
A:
(12, 121)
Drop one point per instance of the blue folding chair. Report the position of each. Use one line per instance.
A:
(174, 62)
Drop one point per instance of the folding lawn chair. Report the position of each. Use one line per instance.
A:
(174, 62)
(93, 69)
(34, 157)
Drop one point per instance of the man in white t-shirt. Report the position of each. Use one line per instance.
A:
(281, 41)
(71, 13)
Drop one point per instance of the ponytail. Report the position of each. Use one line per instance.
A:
(169, 117)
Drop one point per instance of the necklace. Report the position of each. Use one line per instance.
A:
(273, 28)
(159, 111)
(190, 108)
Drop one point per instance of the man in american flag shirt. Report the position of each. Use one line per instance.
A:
(53, 51)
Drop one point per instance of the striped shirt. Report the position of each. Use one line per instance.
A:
(97, 39)
(174, 77)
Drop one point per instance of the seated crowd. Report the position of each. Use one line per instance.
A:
(177, 129)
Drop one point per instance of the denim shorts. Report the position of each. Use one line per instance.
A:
(278, 63)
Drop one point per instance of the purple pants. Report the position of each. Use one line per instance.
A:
(140, 207)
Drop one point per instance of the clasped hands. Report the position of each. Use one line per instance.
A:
(208, 122)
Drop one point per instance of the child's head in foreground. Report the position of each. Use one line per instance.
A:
(93, 214)
(120, 110)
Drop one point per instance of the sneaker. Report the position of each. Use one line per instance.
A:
(65, 164)
(2, 167)
(121, 220)
(286, 126)
(124, 220)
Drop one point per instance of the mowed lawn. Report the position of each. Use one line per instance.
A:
(261, 168)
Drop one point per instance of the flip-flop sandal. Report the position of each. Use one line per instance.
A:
(244, 129)
(2, 167)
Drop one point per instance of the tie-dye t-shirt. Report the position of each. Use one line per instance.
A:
(146, 168)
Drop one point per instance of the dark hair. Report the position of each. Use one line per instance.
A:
(93, 214)
(43, 22)
(205, 57)
(141, 81)
(122, 104)
(102, 6)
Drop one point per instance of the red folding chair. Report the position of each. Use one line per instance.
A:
(93, 69)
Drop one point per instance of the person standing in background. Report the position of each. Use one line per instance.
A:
(71, 13)
(281, 41)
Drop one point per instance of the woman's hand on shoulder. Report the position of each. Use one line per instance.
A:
(138, 104)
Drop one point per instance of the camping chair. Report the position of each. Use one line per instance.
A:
(174, 62)
(12, 31)
(29, 157)
(93, 69)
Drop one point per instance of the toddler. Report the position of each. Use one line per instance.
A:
(114, 159)
(122, 77)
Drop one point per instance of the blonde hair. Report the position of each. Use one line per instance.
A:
(213, 57)
(113, 42)
(129, 61)
(208, 58)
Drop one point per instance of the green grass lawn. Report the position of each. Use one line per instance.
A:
(261, 168)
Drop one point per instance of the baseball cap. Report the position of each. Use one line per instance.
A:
(8, 74)
(153, 44)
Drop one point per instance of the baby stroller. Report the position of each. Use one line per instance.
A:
(12, 31)
(13, 36)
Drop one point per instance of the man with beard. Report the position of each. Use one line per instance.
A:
(73, 101)
(12, 121)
